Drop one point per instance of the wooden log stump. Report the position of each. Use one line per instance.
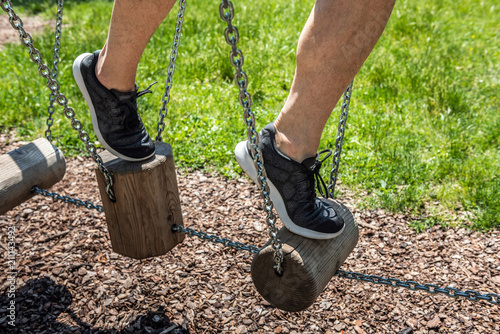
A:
(308, 265)
(38, 163)
(147, 204)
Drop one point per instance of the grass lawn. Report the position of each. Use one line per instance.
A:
(424, 129)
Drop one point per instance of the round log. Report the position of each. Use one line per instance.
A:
(38, 163)
(147, 204)
(308, 265)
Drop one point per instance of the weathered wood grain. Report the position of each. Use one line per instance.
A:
(308, 265)
(147, 204)
(38, 163)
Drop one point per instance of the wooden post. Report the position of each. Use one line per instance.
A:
(308, 265)
(38, 163)
(147, 204)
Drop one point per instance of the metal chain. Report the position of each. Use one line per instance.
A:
(412, 285)
(226, 12)
(241, 81)
(393, 282)
(430, 288)
(171, 69)
(215, 239)
(55, 69)
(52, 84)
(66, 199)
(344, 112)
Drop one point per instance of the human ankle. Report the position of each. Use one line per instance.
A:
(110, 81)
(293, 148)
(111, 85)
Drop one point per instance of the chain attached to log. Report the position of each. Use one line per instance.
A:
(414, 286)
(226, 12)
(215, 239)
(53, 85)
(67, 199)
(236, 56)
(393, 282)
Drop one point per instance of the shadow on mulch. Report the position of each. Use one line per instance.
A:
(40, 302)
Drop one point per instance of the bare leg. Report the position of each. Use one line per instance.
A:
(132, 25)
(335, 42)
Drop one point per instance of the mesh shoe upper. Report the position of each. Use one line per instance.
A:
(114, 115)
(301, 211)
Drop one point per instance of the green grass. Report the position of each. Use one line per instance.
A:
(424, 129)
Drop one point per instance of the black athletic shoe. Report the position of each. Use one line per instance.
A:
(114, 114)
(292, 189)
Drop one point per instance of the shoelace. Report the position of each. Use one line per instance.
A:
(320, 184)
(145, 91)
(128, 102)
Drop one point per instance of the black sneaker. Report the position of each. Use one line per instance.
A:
(292, 189)
(114, 114)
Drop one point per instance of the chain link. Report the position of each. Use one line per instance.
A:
(231, 34)
(52, 84)
(171, 69)
(339, 141)
(414, 286)
(215, 239)
(55, 69)
(393, 282)
(66, 199)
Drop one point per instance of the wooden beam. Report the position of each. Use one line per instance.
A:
(147, 204)
(38, 163)
(308, 265)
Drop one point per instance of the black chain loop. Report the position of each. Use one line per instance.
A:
(393, 282)
(67, 199)
(414, 286)
(215, 239)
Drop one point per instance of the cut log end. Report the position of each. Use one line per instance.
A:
(38, 163)
(308, 265)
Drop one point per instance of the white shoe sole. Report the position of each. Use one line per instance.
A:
(246, 163)
(77, 74)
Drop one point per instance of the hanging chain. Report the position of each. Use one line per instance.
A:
(171, 69)
(55, 69)
(412, 285)
(215, 239)
(52, 84)
(344, 112)
(245, 101)
(66, 199)
(226, 11)
(241, 81)
(393, 282)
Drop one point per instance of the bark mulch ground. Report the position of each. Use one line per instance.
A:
(70, 281)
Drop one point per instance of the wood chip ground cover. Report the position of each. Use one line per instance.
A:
(70, 281)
